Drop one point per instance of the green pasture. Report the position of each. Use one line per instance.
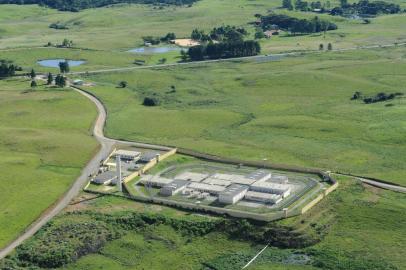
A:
(44, 144)
(360, 227)
(295, 111)
(121, 27)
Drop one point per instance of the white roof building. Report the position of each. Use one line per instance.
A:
(202, 187)
(154, 181)
(173, 188)
(263, 197)
(260, 175)
(234, 178)
(267, 187)
(279, 179)
(127, 154)
(105, 178)
(216, 181)
(192, 176)
(232, 194)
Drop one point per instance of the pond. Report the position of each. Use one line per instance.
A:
(54, 63)
(154, 50)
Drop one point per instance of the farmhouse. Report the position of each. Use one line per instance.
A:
(270, 33)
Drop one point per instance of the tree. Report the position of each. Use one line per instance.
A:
(60, 80)
(287, 4)
(259, 34)
(343, 3)
(329, 46)
(321, 47)
(33, 84)
(67, 43)
(151, 102)
(33, 74)
(50, 78)
(123, 84)
(64, 67)
(183, 55)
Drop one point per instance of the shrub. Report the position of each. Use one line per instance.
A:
(151, 101)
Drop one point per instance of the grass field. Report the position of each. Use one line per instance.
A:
(295, 111)
(122, 27)
(44, 143)
(360, 228)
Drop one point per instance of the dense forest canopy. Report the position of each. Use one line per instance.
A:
(296, 25)
(76, 5)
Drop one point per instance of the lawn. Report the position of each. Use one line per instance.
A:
(295, 111)
(44, 143)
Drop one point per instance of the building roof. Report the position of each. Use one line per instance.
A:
(176, 184)
(259, 175)
(270, 185)
(191, 176)
(129, 153)
(148, 156)
(104, 177)
(234, 178)
(216, 181)
(263, 195)
(234, 190)
(155, 180)
(279, 178)
(208, 187)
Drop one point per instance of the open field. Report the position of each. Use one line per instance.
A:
(122, 27)
(295, 111)
(45, 142)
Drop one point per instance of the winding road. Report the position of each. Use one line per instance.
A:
(107, 144)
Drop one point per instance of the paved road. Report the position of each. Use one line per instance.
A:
(91, 167)
(256, 57)
(376, 183)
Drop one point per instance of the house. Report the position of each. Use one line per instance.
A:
(270, 33)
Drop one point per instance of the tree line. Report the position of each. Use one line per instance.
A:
(364, 7)
(223, 50)
(380, 97)
(225, 33)
(77, 5)
(8, 69)
(295, 25)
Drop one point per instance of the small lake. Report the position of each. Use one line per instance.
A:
(154, 50)
(54, 63)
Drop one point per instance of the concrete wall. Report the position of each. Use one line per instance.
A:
(319, 198)
(149, 165)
